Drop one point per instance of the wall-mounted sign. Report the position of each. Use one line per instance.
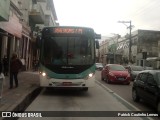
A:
(13, 26)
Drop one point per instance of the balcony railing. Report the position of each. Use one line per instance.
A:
(41, 0)
(36, 14)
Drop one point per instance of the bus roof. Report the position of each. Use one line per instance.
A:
(68, 27)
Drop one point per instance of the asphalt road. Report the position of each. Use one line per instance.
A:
(97, 98)
(125, 91)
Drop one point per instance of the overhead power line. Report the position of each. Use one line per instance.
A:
(130, 43)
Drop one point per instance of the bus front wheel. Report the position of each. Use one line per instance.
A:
(85, 89)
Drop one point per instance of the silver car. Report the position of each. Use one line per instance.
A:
(99, 66)
(134, 70)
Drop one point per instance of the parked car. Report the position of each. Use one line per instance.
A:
(148, 68)
(99, 66)
(134, 70)
(114, 73)
(147, 87)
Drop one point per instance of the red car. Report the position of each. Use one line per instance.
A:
(114, 73)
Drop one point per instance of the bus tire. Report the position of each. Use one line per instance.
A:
(158, 108)
(102, 78)
(85, 89)
(108, 81)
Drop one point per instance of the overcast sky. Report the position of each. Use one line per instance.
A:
(103, 15)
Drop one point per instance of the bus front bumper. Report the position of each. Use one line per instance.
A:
(67, 83)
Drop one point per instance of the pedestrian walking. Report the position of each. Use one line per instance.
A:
(1, 74)
(15, 66)
(5, 65)
(35, 65)
(1, 79)
(0, 67)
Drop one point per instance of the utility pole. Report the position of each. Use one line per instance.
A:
(115, 40)
(130, 37)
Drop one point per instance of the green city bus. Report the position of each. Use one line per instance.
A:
(67, 57)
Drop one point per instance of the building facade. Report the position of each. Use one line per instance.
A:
(108, 52)
(11, 30)
(145, 46)
(20, 22)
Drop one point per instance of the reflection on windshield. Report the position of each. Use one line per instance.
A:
(116, 68)
(68, 51)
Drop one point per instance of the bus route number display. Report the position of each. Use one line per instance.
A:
(68, 30)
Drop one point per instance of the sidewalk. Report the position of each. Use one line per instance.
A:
(15, 99)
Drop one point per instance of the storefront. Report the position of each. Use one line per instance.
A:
(10, 35)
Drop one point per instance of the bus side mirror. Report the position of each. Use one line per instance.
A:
(97, 44)
(97, 36)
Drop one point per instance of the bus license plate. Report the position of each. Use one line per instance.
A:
(67, 83)
(120, 78)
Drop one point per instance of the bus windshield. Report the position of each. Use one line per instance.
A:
(68, 50)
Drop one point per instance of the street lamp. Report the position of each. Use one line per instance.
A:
(130, 41)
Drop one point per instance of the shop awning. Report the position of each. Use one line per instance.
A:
(153, 59)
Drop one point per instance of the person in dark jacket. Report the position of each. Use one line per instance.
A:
(0, 67)
(5, 65)
(15, 66)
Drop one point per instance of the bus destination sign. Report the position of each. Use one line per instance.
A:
(68, 30)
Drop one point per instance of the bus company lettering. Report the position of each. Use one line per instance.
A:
(68, 30)
(14, 114)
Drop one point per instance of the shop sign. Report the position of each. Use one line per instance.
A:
(13, 26)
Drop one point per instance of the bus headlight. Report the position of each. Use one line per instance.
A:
(89, 76)
(43, 74)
